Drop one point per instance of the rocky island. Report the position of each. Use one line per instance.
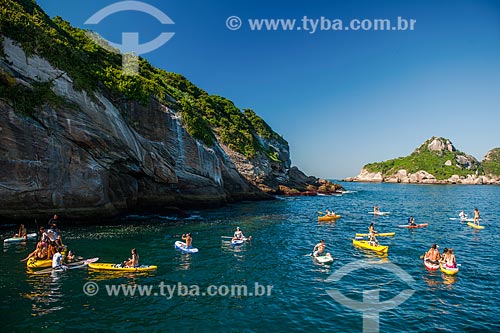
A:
(436, 161)
(80, 138)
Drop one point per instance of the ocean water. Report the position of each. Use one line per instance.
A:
(284, 232)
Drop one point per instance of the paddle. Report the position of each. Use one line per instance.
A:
(320, 213)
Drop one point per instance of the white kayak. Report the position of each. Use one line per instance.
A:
(73, 265)
(326, 259)
(31, 236)
(237, 242)
(379, 213)
(182, 247)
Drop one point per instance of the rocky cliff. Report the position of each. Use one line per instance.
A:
(92, 153)
(436, 161)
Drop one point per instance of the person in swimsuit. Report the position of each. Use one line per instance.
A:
(188, 239)
(132, 262)
(319, 248)
(462, 215)
(476, 216)
(376, 210)
(371, 235)
(22, 232)
(433, 255)
(238, 234)
(451, 261)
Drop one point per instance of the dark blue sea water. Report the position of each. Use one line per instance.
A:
(284, 232)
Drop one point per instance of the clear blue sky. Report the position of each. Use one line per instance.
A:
(341, 98)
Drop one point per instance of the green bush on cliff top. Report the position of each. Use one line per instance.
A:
(491, 166)
(92, 67)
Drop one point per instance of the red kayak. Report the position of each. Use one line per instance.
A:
(422, 225)
(430, 266)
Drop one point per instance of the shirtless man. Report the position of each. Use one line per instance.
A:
(433, 254)
(188, 239)
(476, 216)
(319, 248)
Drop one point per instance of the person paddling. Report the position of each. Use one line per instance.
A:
(411, 220)
(371, 235)
(319, 248)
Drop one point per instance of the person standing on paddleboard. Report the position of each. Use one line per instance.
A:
(477, 216)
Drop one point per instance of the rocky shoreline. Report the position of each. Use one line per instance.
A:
(421, 177)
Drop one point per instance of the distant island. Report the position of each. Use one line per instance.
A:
(436, 161)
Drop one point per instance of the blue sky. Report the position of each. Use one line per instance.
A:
(341, 98)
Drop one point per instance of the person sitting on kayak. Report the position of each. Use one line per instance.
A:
(450, 261)
(444, 256)
(376, 210)
(411, 220)
(238, 234)
(462, 215)
(57, 259)
(476, 216)
(22, 232)
(433, 255)
(132, 262)
(371, 235)
(188, 239)
(319, 248)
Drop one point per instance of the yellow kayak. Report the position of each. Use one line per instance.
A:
(114, 267)
(449, 271)
(472, 225)
(366, 245)
(382, 234)
(328, 217)
(37, 263)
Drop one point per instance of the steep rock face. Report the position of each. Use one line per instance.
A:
(440, 155)
(88, 157)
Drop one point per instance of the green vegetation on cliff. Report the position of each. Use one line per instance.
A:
(432, 161)
(92, 67)
(491, 163)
